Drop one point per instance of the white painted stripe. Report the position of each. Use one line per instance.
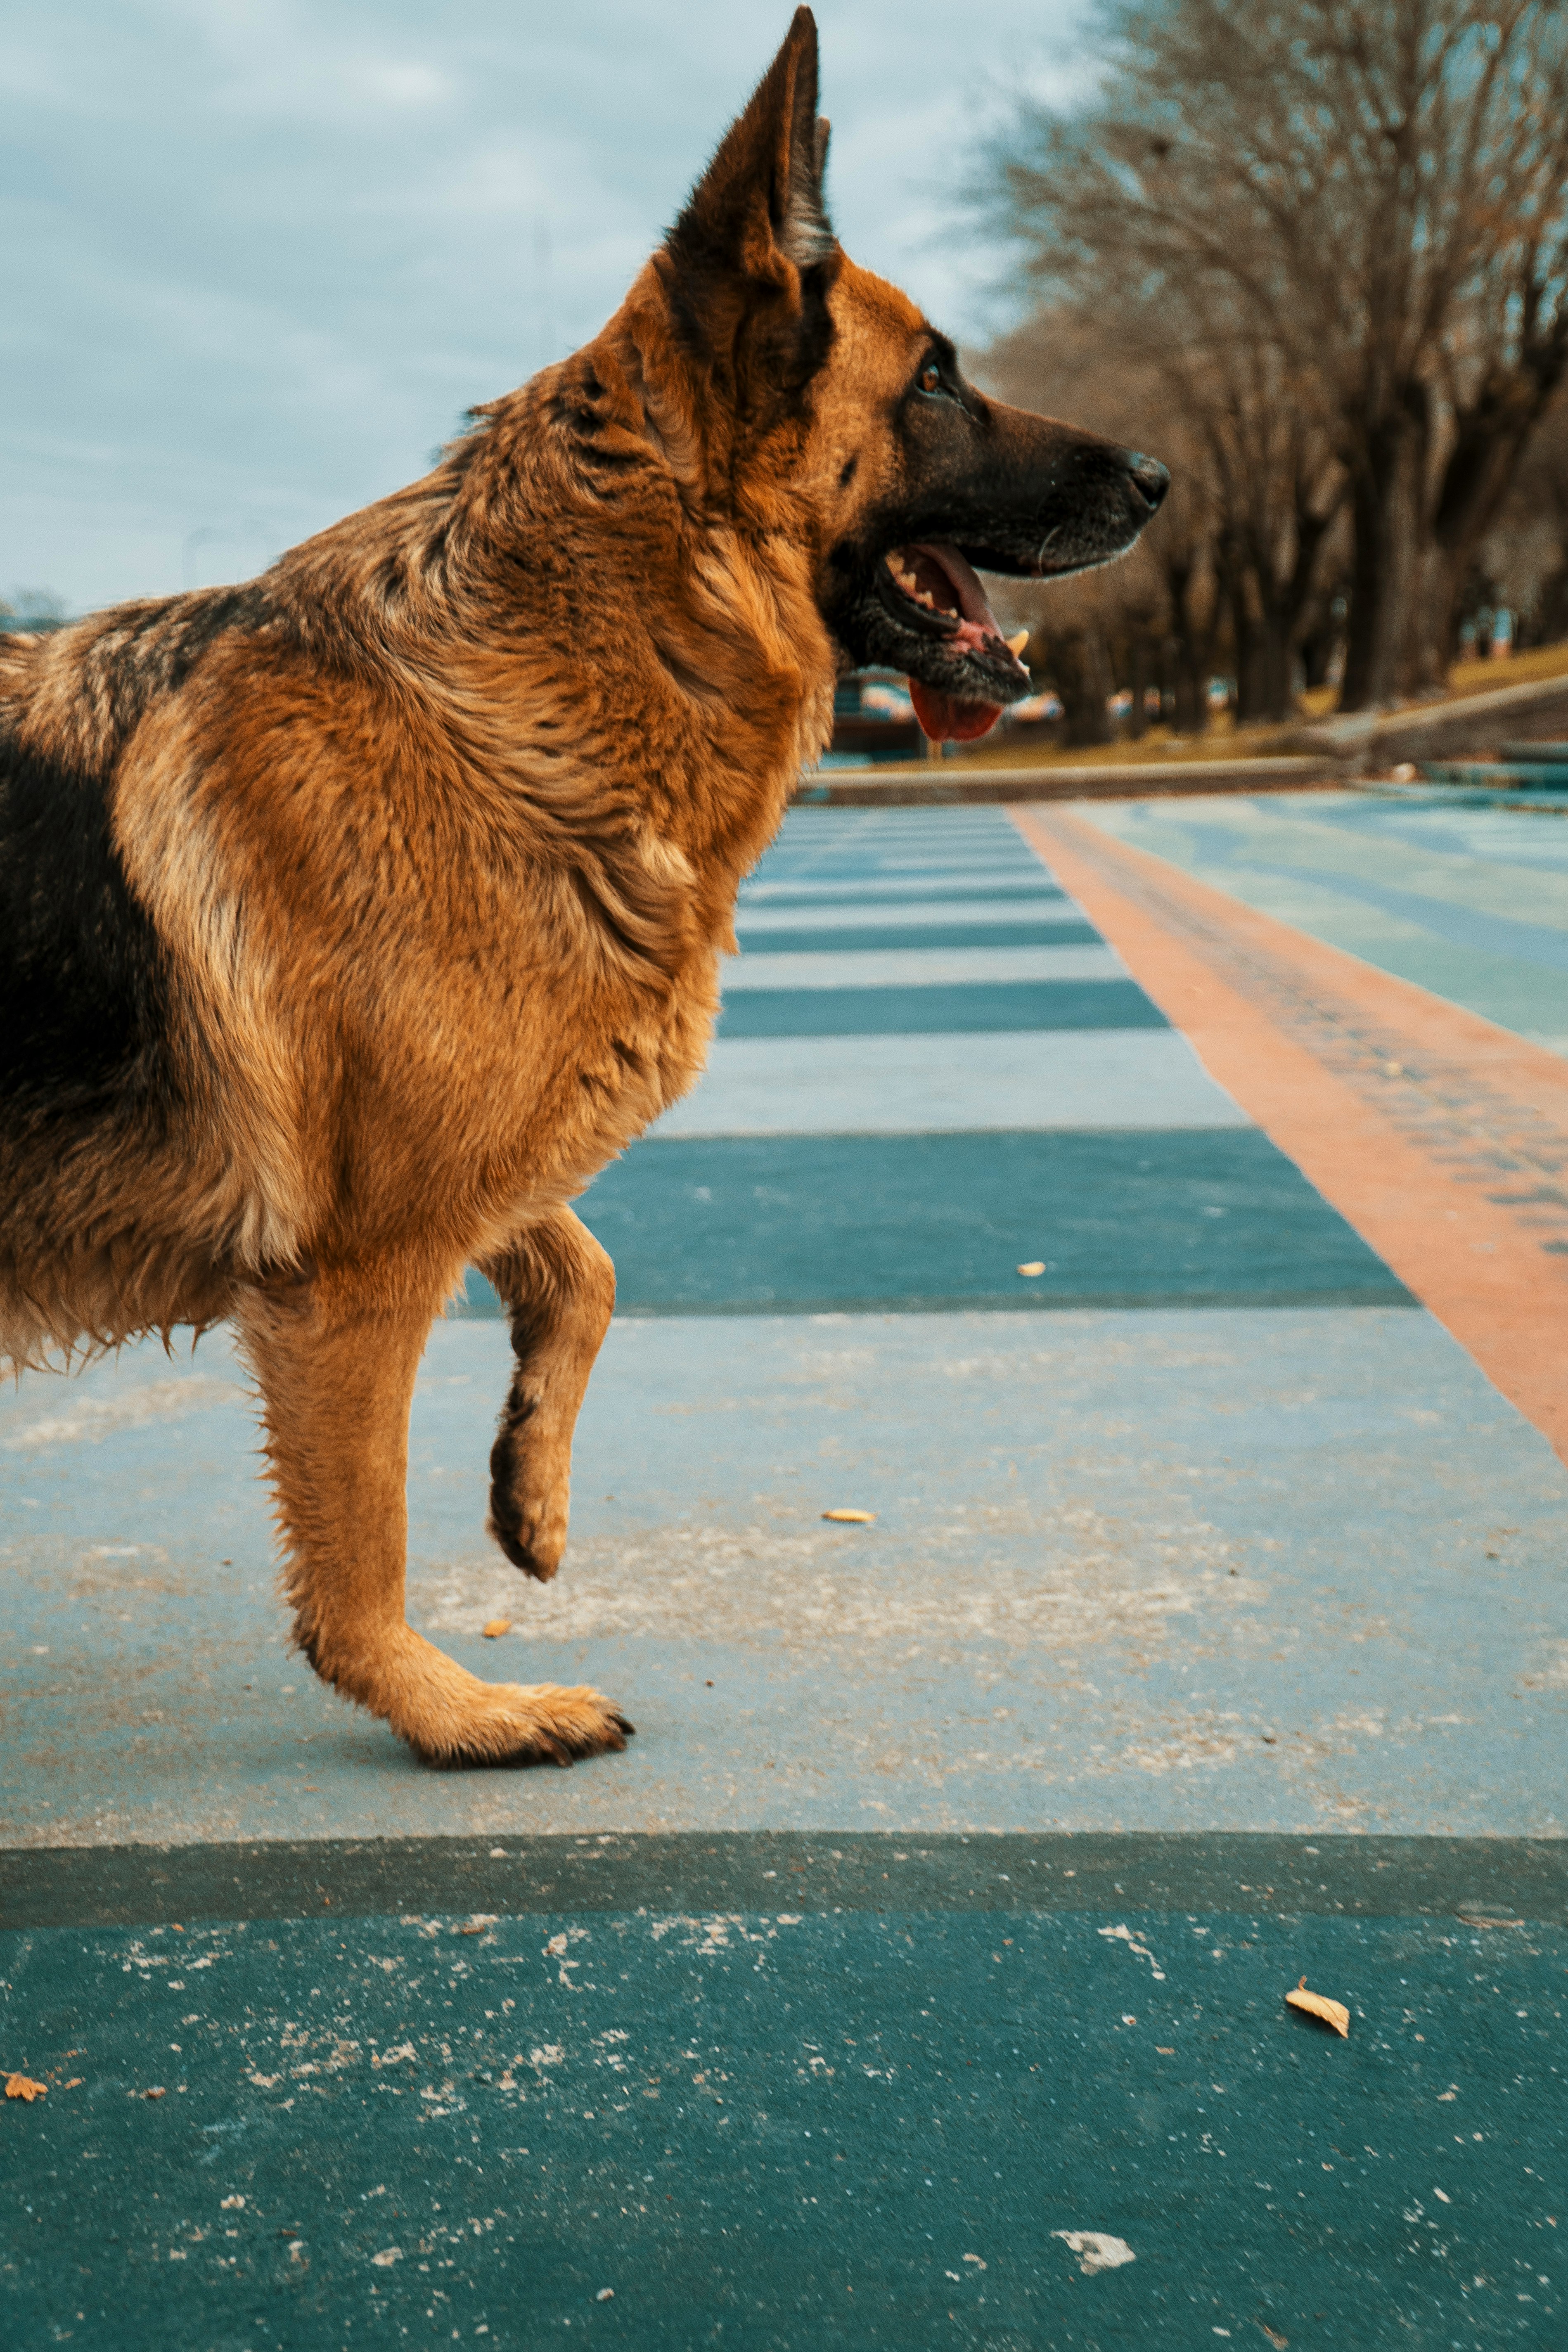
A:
(779, 915)
(1138, 1078)
(1021, 879)
(919, 967)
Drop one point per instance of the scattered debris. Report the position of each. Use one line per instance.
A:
(496, 1628)
(1279, 2341)
(854, 1518)
(976, 2261)
(1124, 1934)
(1317, 2004)
(156, 2093)
(22, 2086)
(1095, 2249)
(1161, 2051)
(1035, 1265)
(387, 2256)
(606, 2294)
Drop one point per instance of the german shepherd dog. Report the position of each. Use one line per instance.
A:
(353, 918)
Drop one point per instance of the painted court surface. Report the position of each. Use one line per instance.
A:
(916, 1977)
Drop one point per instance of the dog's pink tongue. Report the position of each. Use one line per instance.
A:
(942, 715)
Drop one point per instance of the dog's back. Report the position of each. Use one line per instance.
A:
(95, 1094)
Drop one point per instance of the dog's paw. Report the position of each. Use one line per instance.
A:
(515, 1723)
(532, 1540)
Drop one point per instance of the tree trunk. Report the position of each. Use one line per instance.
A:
(1385, 503)
(1082, 676)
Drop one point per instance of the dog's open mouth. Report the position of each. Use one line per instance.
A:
(967, 671)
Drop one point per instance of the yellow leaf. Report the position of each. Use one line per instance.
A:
(1317, 2004)
(856, 1518)
(22, 2086)
(497, 1627)
(1035, 1265)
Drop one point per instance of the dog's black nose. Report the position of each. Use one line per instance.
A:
(1152, 478)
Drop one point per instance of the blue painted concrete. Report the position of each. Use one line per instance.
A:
(926, 965)
(764, 933)
(1287, 1570)
(1469, 903)
(1124, 1080)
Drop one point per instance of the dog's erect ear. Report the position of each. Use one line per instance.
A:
(757, 212)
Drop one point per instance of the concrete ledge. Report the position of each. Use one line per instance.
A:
(1370, 740)
(934, 786)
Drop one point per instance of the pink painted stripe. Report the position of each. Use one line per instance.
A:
(1440, 1137)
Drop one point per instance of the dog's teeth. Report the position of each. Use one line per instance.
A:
(894, 562)
(1015, 645)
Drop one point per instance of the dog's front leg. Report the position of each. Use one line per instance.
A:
(560, 1288)
(336, 1361)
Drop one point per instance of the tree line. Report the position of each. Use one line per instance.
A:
(1314, 255)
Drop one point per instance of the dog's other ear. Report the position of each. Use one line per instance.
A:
(757, 212)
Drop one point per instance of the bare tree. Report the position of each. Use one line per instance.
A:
(1374, 194)
(1157, 617)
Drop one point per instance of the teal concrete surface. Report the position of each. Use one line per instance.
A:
(745, 1225)
(785, 2125)
(1471, 903)
(869, 1011)
(1209, 1631)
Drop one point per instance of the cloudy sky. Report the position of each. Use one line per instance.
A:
(259, 255)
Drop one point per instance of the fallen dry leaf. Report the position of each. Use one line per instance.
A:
(1317, 2004)
(75, 2083)
(22, 2086)
(497, 1627)
(1095, 2250)
(156, 2093)
(1279, 2342)
(856, 1518)
(1035, 1265)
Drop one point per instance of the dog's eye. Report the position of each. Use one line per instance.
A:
(930, 377)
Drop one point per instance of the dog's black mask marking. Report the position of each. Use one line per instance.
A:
(1015, 494)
